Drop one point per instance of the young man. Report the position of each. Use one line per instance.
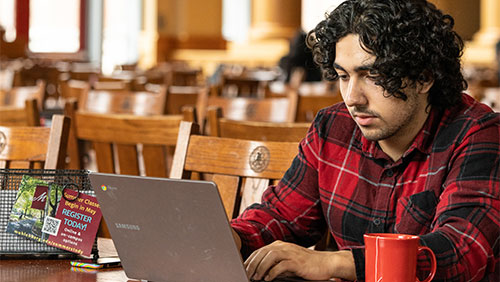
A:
(407, 152)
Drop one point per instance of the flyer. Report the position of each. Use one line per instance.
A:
(30, 208)
(74, 226)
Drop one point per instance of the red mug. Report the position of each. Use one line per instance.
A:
(393, 257)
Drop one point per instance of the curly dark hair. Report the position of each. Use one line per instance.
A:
(411, 39)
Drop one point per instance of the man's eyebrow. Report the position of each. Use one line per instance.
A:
(362, 68)
(336, 66)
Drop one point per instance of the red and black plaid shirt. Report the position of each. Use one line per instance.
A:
(445, 188)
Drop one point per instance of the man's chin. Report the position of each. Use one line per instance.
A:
(373, 135)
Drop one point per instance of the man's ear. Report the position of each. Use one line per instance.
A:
(425, 82)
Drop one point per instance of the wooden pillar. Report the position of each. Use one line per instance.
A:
(275, 19)
(189, 24)
(149, 34)
(481, 50)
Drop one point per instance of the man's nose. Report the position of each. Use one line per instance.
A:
(354, 94)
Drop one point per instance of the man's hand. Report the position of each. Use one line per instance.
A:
(281, 258)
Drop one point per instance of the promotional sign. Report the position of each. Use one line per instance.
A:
(75, 224)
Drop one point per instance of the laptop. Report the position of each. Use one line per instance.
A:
(169, 229)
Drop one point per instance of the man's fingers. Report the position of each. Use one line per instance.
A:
(282, 267)
(259, 262)
(252, 262)
(270, 259)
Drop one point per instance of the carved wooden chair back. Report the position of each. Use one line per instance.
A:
(35, 146)
(237, 166)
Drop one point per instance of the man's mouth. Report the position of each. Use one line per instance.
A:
(364, 119)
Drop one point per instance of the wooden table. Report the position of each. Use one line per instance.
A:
(30, 269)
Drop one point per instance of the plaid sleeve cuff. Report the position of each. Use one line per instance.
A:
(359, 262)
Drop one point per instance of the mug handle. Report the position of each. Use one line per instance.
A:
(433, 263)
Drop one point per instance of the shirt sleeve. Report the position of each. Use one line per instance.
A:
(289, 211)
(466, 233)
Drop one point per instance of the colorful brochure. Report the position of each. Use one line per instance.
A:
(54, 215)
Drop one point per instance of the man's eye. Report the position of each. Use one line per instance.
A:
(343, 77)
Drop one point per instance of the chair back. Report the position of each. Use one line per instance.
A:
(255, 130)
(129, 144)
(18, 95)
(6, 78)
(252, 109)
(123, 102)
(73, 89)
(311, 97)
(233, 164)
(180, 96)
(29, 115)
(309, 105)
(248, 109)
(35, 147)
(245, 82)
(184, 76)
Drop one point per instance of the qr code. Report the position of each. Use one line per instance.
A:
(51, 225)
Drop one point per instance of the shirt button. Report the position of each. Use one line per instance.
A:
(376, 221)
(389, 173)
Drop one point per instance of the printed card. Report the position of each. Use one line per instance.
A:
(29, 209)
(74, 226)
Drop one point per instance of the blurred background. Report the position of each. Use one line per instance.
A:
(109, 36)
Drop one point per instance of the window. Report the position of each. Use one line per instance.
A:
(7, 19)
(236, 20)
(313, 11)
(54, 26)
(122, 27)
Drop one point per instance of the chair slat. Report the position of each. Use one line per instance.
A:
(228, 188)
(128, 129)
(155, 160)
(234, 158)
(34, 145)
(127, 159)
(104, 157)
(252, 190)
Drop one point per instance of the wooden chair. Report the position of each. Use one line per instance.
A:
(255, 130)
(247, 83)
(124, 143)
(30, 147)
(235, 200)
(15, 116)
(309, 105)
(116, 139)
(249, 109)
(123, 102)
(311, 97)
(180, 96)
(72, 88)
(6, 79)
(233, 164)
(178, 73)
(183, 76)
(18, 95)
